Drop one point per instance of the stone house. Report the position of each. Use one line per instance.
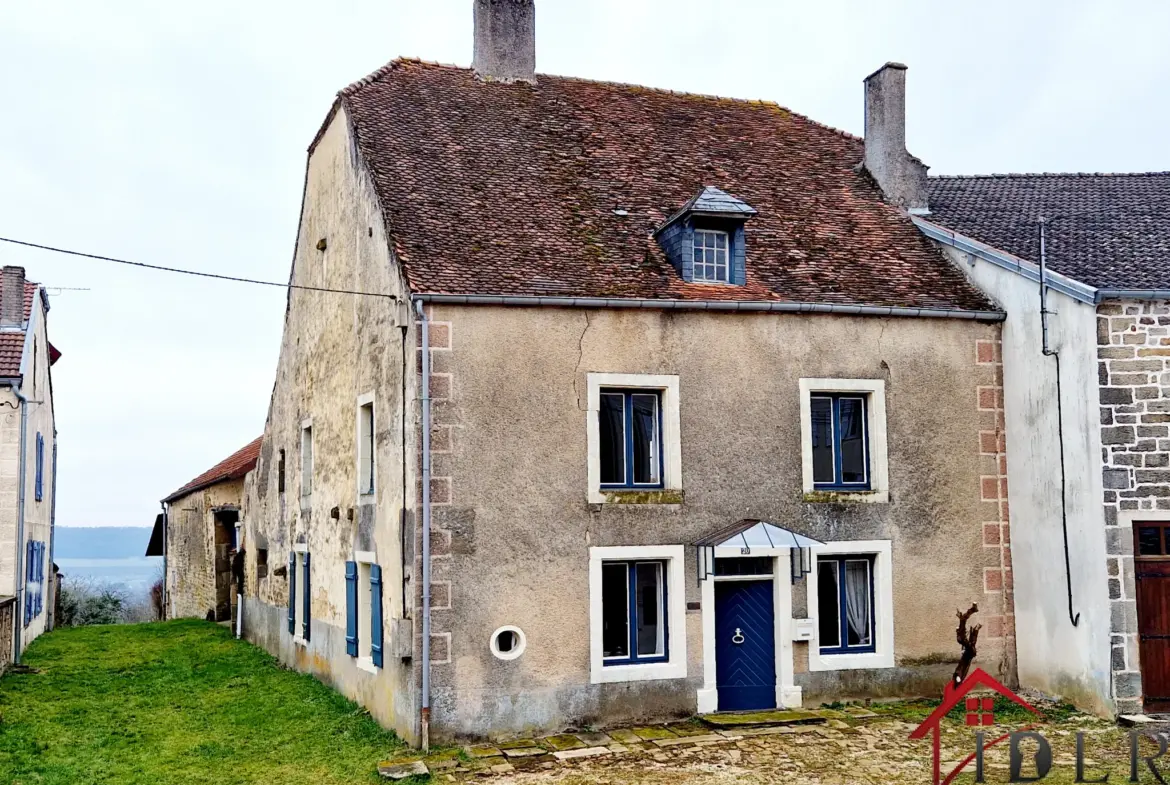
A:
(197, 535)
(28, 460)
(651, 403)
(1087, 404)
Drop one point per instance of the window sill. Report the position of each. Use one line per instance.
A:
(643, 672)
(655, 496)
(845, 497)
(367, 664)
(366, 498)
(847, 662)
(299, 641)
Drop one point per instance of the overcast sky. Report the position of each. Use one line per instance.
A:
(175, 133)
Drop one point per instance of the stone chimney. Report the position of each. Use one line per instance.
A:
(12, 297)
(901, 176)
(505, 40)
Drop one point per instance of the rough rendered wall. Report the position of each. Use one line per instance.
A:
(337, 347)
(512, 525)
(1134, 352)
(37, 523)
(191, 548)
(1053, 655)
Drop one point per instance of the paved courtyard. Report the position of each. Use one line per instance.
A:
(853, 745)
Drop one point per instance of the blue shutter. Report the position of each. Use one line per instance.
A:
(40, 465)
(308, 598)
(376, 614)
(29, 548)
(292, 592)
(351, 634)
(39, 578)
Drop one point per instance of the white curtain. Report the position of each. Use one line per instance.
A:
(857, 601)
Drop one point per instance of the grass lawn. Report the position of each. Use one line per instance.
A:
(176, 702)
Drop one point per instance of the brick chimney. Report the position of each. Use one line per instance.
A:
(505, 40)
(12, 297)
(901, 176)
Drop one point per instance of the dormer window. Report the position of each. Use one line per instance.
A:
(705, 240)
(711, 256)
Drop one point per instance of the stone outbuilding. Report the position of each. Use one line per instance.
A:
(650, 403)
(28, 463)
(1087, 405)
(197, 536)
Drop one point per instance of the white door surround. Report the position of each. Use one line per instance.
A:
(788, 695)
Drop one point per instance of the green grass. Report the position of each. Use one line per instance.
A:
(177, 702)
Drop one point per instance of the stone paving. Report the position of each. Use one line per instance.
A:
(853, 745)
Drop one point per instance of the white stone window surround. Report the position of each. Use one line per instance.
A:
(883, 599)
(879, 470)
(367, 465)
(667, 387)
(365, 660)
(788, 695)
(306, 455)
(299, 548)
(521, 643)
(675, 666)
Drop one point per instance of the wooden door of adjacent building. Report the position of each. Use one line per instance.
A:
(1152, 568)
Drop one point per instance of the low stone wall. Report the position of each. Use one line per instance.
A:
(7, 618)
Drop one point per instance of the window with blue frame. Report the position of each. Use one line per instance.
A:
(711, 263)
(630, 427)
(840, 442)
(845, 612)
(633, 610)
(40, 483)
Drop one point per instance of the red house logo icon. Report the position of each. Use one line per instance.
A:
(979, 713)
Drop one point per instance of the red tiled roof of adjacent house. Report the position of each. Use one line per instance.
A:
(554, 189)
(233, 467)
(12, 343)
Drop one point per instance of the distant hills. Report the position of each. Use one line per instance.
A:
(101, 542)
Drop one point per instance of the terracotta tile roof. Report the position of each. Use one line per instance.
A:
(492, 188)
(1119, 237)
(12, 343)
(233, 467)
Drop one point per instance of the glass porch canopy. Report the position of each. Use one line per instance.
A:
(750, 534)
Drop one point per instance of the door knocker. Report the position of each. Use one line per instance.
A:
(738, 637)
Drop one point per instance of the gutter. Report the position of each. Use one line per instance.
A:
(21, 598)
(1133, 294)
(425, 714)
(1069, 287)
(734, 306)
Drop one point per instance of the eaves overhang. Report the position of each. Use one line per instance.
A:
(719, 306)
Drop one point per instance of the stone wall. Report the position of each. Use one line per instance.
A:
(191, 553)
(335, 350)
(1133, 340)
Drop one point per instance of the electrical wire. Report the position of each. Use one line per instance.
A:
(198, 273)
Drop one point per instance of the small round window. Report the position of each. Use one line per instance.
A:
(508, 643)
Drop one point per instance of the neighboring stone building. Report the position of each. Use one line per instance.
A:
(201, 532)
(653, 405)
(1091, 627)
(28, 452)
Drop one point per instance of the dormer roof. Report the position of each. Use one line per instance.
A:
(713, 203)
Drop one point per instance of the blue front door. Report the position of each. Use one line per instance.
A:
(745, 645)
